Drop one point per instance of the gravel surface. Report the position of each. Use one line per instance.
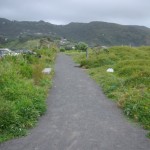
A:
(80, 117)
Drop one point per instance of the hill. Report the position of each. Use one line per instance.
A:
(93, 33)
(107, 33)
(129, 84)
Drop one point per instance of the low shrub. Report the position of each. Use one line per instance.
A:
(23, 92)
(7, 114)
(139, 110)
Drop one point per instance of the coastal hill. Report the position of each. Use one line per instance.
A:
(94, 33)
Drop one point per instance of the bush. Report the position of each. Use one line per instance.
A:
(28, 114)
(139, 110)
(26, 71)
(81, 46)
(62, 49)
(7, 114)
(23, 92)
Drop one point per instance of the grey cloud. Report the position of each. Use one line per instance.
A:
(65, 11)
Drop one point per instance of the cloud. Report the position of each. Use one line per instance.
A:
(66, 11)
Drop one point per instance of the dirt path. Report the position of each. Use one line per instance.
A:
(80, 117)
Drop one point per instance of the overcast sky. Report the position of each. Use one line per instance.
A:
(128, 12)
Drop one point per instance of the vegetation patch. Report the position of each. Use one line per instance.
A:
(129, 84)
(23, 91)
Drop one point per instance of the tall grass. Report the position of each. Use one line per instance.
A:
(129, 85)
(23, 91)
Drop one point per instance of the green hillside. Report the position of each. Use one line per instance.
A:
(93, 33)
(102, 33)
(129, 84)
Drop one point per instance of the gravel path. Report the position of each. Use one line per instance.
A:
(80, 117)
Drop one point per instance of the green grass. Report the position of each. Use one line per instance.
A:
(29, 44)
(23, 91)
(129, 85)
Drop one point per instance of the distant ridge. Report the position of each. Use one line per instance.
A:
(93, 33)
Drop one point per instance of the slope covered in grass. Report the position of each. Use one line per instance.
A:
(129, 84)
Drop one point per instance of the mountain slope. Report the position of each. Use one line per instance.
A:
(107, 33)
(94, 33)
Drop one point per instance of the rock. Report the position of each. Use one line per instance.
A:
(47, 70)
(110, 70)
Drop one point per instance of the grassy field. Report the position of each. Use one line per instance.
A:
(129, 84)
(23, 91)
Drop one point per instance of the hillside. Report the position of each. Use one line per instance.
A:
(14, 29)
(107, 33)
(94, 33)
(129, 82)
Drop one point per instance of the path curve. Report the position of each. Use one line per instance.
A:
(80, 117)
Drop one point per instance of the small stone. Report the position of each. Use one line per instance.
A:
(110, 70)
(47, 70)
